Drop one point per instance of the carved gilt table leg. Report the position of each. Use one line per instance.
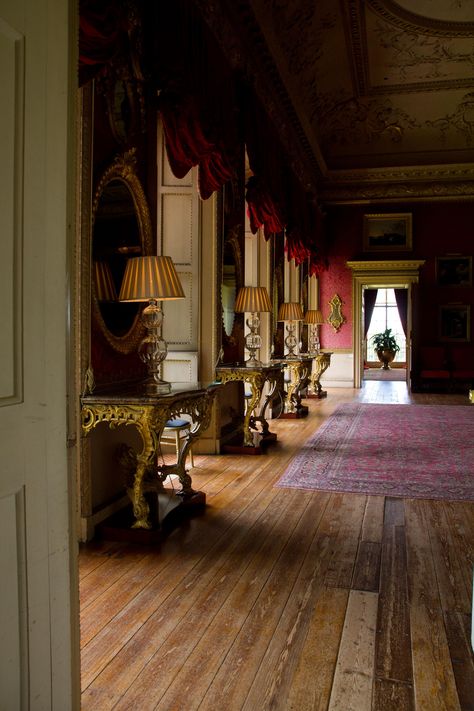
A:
(321, 364)
(292, 401)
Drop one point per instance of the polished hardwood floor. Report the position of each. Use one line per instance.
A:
(286, 600)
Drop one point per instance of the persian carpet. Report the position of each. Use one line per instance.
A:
(414, 451)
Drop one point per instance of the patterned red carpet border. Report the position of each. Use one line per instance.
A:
(414, 451)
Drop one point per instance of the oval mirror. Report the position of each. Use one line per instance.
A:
(121, 229)
(228, 287)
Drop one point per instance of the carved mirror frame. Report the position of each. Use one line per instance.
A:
(231, 242)
(123, 169)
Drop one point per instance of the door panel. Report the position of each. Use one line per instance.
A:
(38, 616)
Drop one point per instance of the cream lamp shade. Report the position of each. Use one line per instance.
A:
(104, 283)
(253, 299)
(314, 316)
(290, 311)
(152, 279)
(148, 278)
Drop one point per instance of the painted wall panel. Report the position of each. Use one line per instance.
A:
(179, 315)
(12, 624)
(11, 132)
(177, 222)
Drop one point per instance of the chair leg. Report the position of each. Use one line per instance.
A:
(177, 444)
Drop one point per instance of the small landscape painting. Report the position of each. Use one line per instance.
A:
(388, 232)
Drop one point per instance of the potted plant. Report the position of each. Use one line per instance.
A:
(386, 347)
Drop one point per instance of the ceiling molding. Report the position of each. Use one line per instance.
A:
(409, 21)
(355, 31)
(450, 182)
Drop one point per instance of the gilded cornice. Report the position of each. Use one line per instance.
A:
(451, 182)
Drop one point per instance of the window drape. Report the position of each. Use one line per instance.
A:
(370, 297)
(401, 297)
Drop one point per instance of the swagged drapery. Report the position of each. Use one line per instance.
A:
(196, 103)
(276, 201)
(103, 36)
(207, 116)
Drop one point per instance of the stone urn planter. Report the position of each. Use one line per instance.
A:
(386, 347)
(385, 356)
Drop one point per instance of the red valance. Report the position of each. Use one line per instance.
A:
(103, 34)
(187, 146)
(262, 210)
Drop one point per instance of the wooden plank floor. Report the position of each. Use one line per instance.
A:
(286, 600)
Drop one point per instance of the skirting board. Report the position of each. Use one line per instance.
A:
(340, 373)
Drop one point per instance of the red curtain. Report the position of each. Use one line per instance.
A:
(401, 297)
(262, 210)
(103, 34)
(187, 146)
(370, 297)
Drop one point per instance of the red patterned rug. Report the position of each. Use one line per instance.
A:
(414, 451)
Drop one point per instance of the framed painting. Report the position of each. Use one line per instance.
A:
(455, 323)
(388, 232)
(454, 271)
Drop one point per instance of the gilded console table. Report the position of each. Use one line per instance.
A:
(321, 363)
(299, 370)
(255, 377)
(130, 406)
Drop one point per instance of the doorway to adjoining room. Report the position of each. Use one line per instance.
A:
(385, 310)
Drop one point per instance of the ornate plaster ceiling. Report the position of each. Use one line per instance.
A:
(383, 90)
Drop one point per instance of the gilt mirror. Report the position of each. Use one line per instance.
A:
(121, 228)
(231, 281)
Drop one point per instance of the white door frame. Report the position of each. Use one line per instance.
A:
(375, 274)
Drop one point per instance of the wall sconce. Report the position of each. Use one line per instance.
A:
(253, 300)
(292, 312)
(104, 283)
(152, 279)
(313, 317)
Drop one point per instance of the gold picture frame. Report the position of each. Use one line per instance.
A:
(388, 232)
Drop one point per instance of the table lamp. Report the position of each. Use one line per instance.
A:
(292, 312)
(313, 317)
(152, 279)
(253, 300)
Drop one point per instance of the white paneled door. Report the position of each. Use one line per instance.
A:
(38, 615)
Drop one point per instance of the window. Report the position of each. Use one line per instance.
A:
(386, 315)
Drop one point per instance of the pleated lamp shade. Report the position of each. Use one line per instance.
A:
(314, 316)
(253, 299)
(148, 278)
(104, 283)
(290, 311)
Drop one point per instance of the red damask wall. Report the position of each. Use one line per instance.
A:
(439, 229)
